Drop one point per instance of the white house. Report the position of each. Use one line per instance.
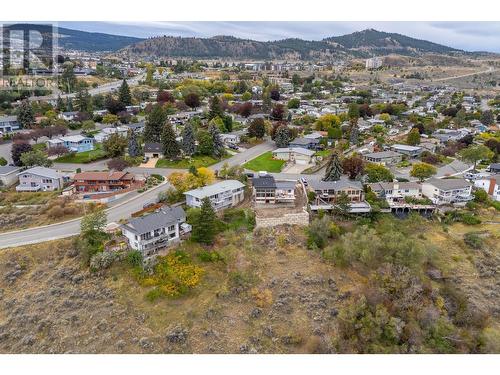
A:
(411, 151)
(222, 195)
(445, 191)
(40, 179)
(490, 184)
(68, 116)
(298, 155)
(396, 191)
(8, 175)
(105, 133)
(8, 124)
(155, 231)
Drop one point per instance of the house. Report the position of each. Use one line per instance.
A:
(494, 168)
(316, 135)
(74, 143)
(153, 150)
(383, 157)
(68, 116)
(491, 184)
(102, 181)
(327, 193)
(105, 133)
(222, 195)
(308, 143)
(444, 191)
(396, 191)
(445, 135)
(230, 138)
(8, 175)
(269, 191)
(296, 155)
(40, 179)
(155, 231)
(137, 127)
(411, 151)
(8, 124)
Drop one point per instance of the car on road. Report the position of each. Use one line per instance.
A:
(303, 180)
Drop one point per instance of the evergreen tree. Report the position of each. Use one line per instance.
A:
(333, 168)
(283, 136)
(204, 226)
(83, 101)
(154, 124)
(25, 116)
(342, 205)
(69, 105)
(134, 149)
(169, 144)
(60, 106)
(354, 136)
(215, 108)
(413, 137)
(188, 141)
(205, 143)
(124, 95)
(217, 141)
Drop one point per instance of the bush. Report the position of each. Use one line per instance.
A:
(55, 212)
(473, 240)
(480, 196)
(102, 260)
(210, 256)
(469, 219)
(134, 258)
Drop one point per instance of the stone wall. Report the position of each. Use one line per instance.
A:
(297, 218)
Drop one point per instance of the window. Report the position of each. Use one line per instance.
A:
(171, 228)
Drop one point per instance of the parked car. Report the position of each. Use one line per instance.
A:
(145, 159)
(303, 180)
(233, 146)
(249, 174)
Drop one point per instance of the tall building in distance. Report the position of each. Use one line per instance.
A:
(373, 63)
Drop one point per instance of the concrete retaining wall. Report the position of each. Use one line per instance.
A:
(298, 218)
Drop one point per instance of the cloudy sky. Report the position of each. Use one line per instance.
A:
(469, 36)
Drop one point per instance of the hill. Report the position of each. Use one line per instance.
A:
(359, 44)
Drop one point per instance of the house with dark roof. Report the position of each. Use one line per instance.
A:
(151, 233)
(268, 190)
(308, 143)
(153, 150)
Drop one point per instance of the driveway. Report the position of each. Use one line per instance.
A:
(151, 163)
(296, 168)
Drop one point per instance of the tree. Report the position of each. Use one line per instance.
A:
(93, 222)
(88, 125)
(57, 150)
(113, 106)
(188, 144)
(327, 121)
(475, 153)
(353, 111)
(246, 96)
(124, 95)
(134, 148)
(333, 168)
(293, 103)
(204, 226)
(192, 100)
(274, 94)
(35, 158)
(257, 128)
(110, 119)
(17, 150)
(283, 136)
(245, 109)
(218, 144)
(68, 79)
(3, 161)
(353, 166)
(422, 171)
(205, 143)
(342, 205)
(115, 145)
(154, 124)
(487, 118)
(83, 101)
(413, 137)
(377, 173)
(215, 108)
(117, 164)
(354, 133)
(170, 146)
(25, 116)
(165, 97)
(278, 112)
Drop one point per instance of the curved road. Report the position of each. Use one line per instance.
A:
(122, 208)
(490, 70)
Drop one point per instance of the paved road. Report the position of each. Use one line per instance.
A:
(489, 70)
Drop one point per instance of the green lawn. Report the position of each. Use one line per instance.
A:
(197, 161)
(83, 157)
(265, 162)
(324, 153)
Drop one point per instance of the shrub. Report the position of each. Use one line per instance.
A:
(473, 240)
(480, 196)
(134, 258)
(319, 232)
(210, 256)
(55, 212)
(469, 219)
(102, 260)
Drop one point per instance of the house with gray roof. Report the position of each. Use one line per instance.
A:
(383, 157)
(447, 190)
(396, 191)
(8, 124)
(328, 192)
(297, 155)
(309, 143)
(8, 175)
(150, 233)
(222, 195)
(40, 179)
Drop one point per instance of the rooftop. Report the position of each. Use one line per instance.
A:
(43, 172)
(162, 218)
(216, 188)
(335, 185)
(448, 183)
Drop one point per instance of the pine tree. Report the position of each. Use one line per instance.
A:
(154, 124)
(342, 205)
(169, 144)
(283, 136)
(26, 116)
(354, 136)
(217, 140)
(69, 105)
(204, 226)
(188, 140)
(333, 168)
(215, 108)
(124, 95)
(60, 106)
(83, 101)
(134, 148)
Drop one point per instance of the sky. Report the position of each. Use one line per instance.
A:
(469, 36)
